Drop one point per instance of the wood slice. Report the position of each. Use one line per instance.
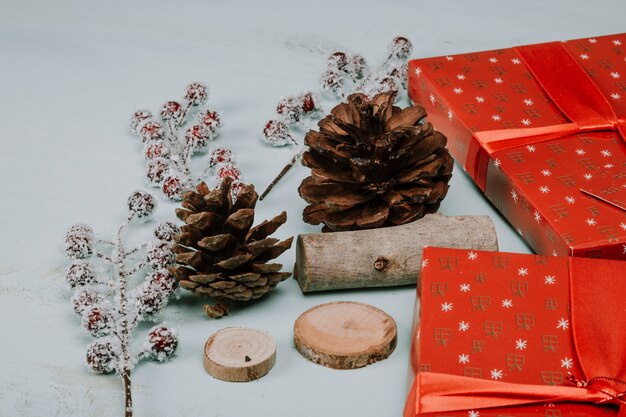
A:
(239, 354)
(345, 334)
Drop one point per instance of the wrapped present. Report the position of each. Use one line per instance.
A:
(541, 130)
(503, 334)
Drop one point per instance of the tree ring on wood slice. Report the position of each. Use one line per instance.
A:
(345, 334)
(239, 354)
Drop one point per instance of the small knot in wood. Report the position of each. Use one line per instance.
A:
(380, 264)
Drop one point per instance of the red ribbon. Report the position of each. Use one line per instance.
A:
(598, 320)
(572, 91)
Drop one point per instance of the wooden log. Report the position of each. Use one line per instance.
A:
(239, 354)
(345, 334)
(387, 256)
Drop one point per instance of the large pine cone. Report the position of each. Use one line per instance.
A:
(218, 253)
(373, 165)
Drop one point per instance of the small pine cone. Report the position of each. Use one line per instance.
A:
(151, 130)
(290, 108)
(159, 255)
(196, 94)
(276, 133)
(216, 311)
(219, 253)
(138, 119)
(79, 274)
(156, 170)
(166, 231)
(140, 204)
(102, 355)
(400, 48)
(156, 149)
(373, 165)
(98, 320)
(162, 343)
(85, 298)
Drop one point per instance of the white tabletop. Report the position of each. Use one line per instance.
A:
(72, 72)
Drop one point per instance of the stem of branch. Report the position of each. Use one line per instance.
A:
(281, 175)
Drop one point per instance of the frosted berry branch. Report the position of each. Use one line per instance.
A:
(109, 307)
(185, 129)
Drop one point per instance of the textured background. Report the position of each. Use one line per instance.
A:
(71, 74)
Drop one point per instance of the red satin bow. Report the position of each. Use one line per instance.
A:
(598, 319)
(572, 91)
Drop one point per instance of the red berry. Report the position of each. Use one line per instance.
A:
(164, 280)
(79, 274)
(162, 343)
(228, 170)
(400, 48)
(235, 189)
(156, 170)
(172, 110)
(98, 320)
(102, 355)
(84, 299)
(290, 108)
(210, 119)
(141, 204)
(166, 231)
(151, 130)
(156, 149)
(220, 156)
(309, 103)
(276, 133)
(197, 137)
(172, 186)
(196, 94)
(150, 299)
(159, 254)
(138, 118)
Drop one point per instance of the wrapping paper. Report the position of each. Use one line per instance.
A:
(540, 128)
(502, 334)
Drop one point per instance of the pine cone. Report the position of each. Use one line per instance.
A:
(218, 253)
(373, 165)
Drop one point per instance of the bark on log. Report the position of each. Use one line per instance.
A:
(384, 257)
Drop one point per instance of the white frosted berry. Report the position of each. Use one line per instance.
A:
(85, 298)
(78, 242)
(357, 67)
(156, 149)
(102, 355)
(290, 108)
(228, 170)
(309, 102)
(332, 83)
(196, 94)
(162, 343)
(400, 48)
(166, 231)
(156, 170)
(138, 119)
(220, 156)
(276, 133)
(159, 254)
(210, 119)
(197, 137)
(80, 273)
(149, 300)
(141, 204)
(338, 61)
(172, 110)
(151, 130)
(98, 320)
(163, 279)
(172, 185)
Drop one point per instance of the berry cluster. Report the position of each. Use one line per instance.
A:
(347, 73)
(182, 131)
(109, 310)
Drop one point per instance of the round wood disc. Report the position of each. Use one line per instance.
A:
(345, 334)
(239, 354)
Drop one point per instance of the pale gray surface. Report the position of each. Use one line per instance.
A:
(71, 74)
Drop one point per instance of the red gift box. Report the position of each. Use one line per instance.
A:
(503, 334)
(540, 128)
